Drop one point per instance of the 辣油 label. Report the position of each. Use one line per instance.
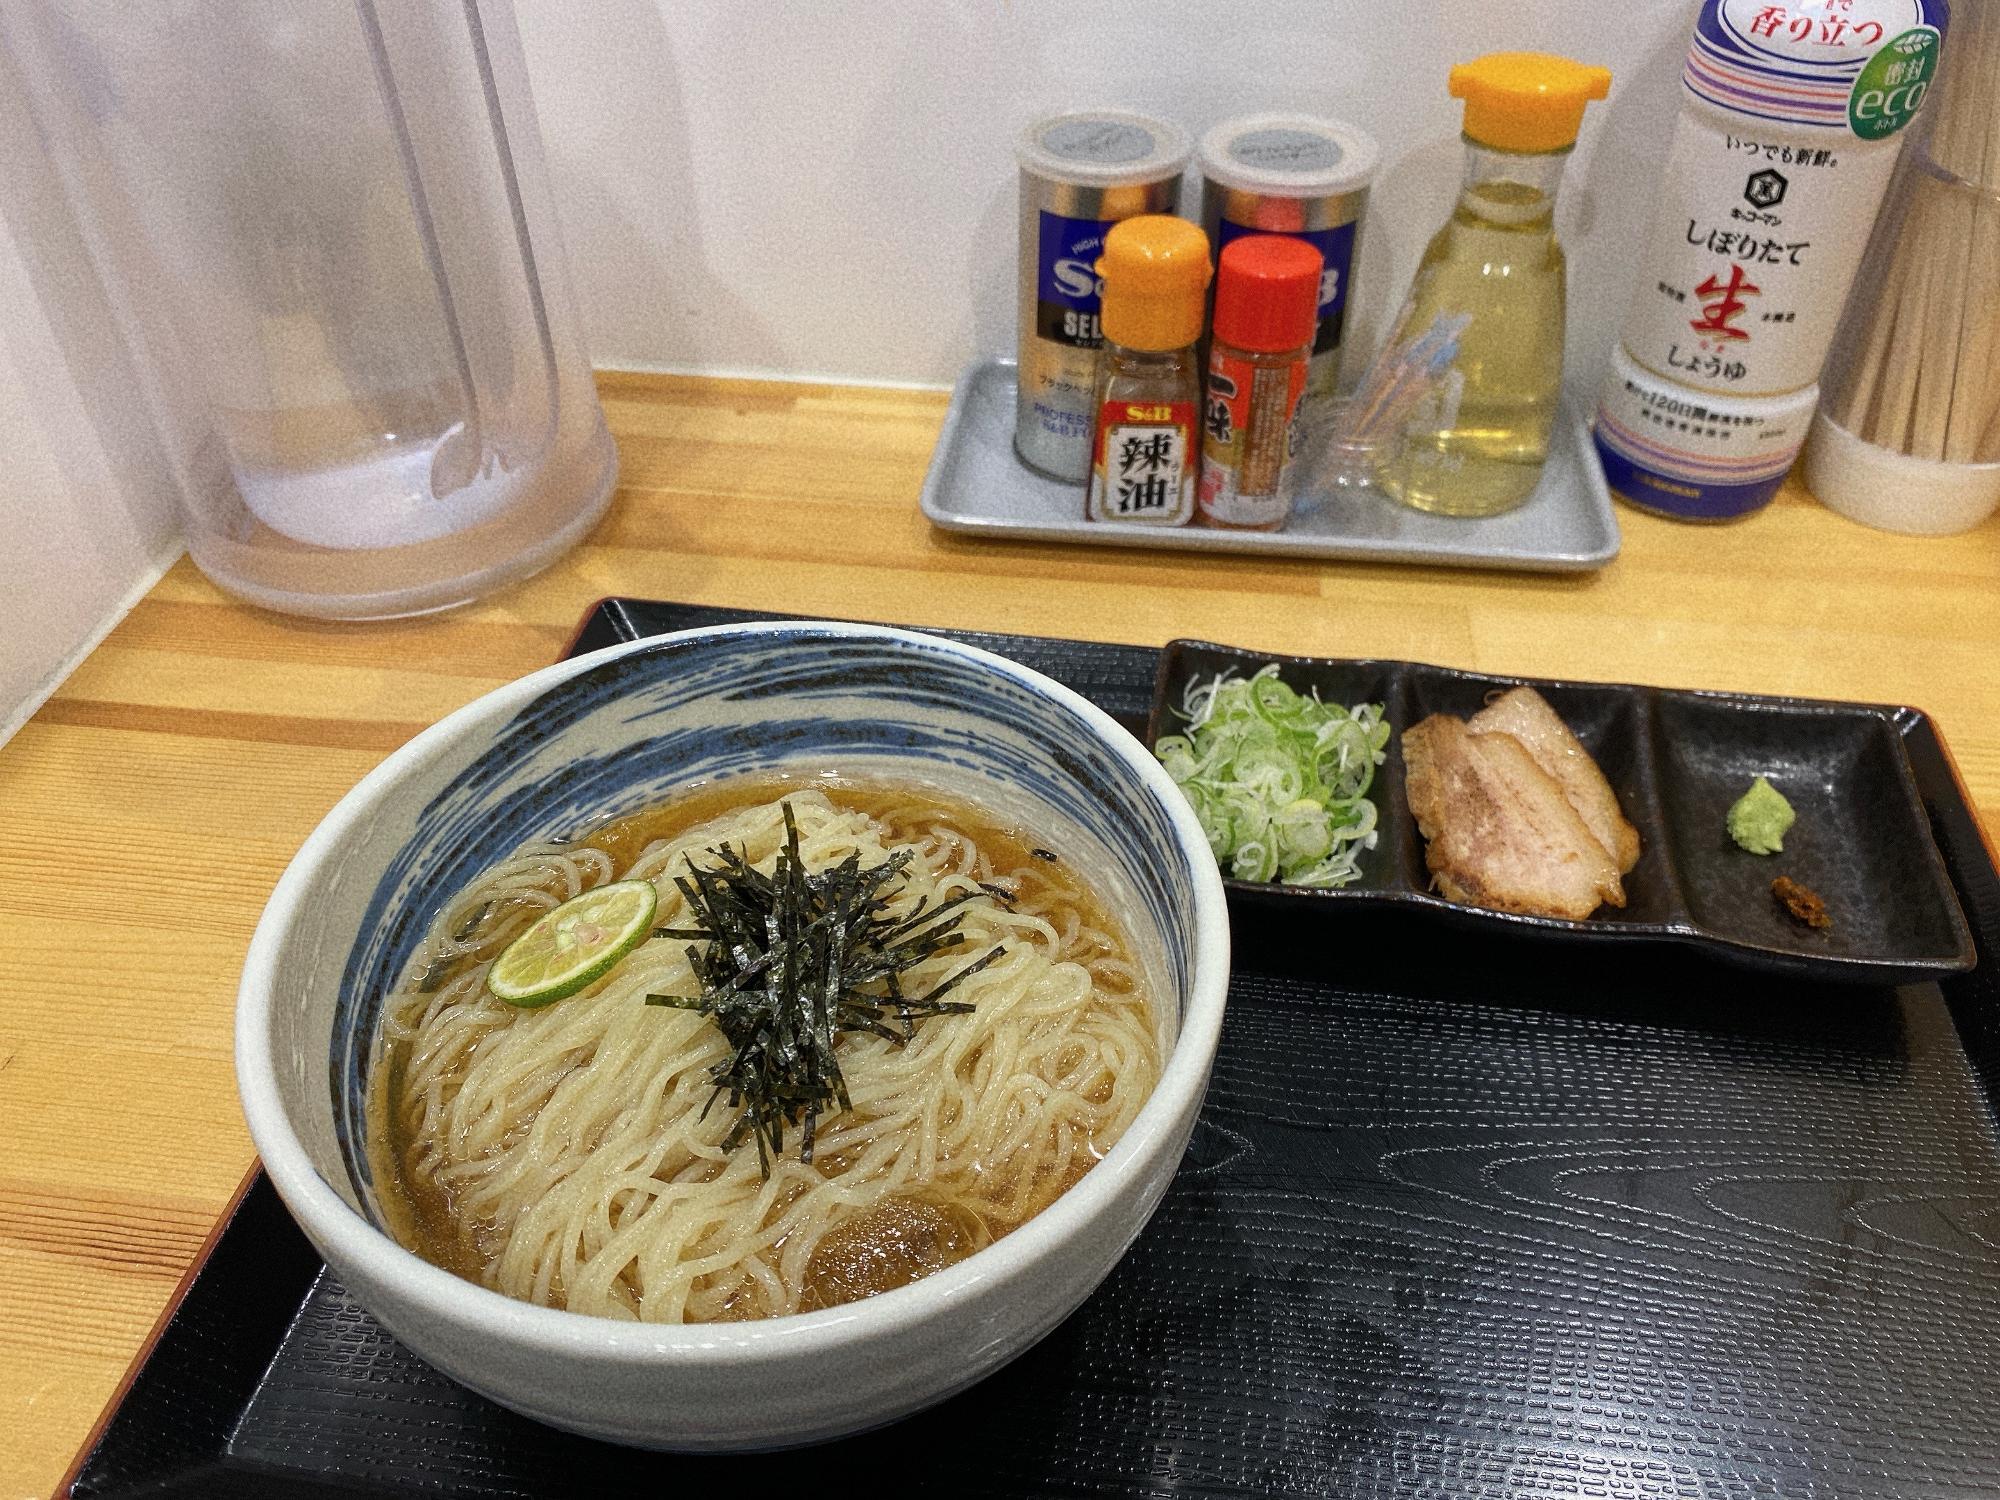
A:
(1145, 463)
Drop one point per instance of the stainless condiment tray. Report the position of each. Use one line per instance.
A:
(978, 486)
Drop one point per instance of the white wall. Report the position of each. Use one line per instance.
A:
(86, 506)
(819, 188)
(828, 188)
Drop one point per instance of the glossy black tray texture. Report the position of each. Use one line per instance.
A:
(1464, 1217)
(1677, 761)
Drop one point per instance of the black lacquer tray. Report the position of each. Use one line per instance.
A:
(1465, 1216)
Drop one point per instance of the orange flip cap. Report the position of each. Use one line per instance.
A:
(1155, 269)
(1526, 101)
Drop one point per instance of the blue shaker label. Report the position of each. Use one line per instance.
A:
(1067, 290)
(1336, 248)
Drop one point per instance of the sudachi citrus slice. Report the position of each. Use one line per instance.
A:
(574, 945)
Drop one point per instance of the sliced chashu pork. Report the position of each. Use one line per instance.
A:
(1525, 714)
(1500, 833)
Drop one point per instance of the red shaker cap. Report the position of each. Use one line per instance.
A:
(1267, 293)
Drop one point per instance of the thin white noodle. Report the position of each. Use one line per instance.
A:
(571, 1145)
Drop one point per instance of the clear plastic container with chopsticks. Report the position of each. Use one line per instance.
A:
(1363, 434)
(1907, 437)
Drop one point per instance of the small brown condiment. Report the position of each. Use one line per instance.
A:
(1801, 903)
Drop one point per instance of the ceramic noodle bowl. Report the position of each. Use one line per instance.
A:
(626, 728)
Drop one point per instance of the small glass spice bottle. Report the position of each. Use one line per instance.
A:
(1145, 457)
(1266, 309)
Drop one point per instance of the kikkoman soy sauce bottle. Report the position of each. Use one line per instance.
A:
(1146, 451)
(1479, 448)
(1789, 128)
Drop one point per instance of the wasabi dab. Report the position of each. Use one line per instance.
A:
(1761, 818)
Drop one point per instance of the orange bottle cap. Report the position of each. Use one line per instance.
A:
(1526, 101)
(1155, 269)
(1267, 293)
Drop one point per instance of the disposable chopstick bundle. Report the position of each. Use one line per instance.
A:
(1907, 436)
(1965, 136)
(1916, 368)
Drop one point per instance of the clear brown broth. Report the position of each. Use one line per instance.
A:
(893, 1243)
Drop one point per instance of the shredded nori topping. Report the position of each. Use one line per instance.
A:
(790, 961)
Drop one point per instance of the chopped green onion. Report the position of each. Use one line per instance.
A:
(1278, 779)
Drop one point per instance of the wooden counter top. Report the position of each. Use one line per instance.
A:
(151, 804)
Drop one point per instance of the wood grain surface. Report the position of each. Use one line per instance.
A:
(147, 809)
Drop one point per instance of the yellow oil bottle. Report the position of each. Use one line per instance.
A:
(1479, 446)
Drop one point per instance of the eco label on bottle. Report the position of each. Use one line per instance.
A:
(1892, 85)
(1759, 233)
(1336, 248)
(1249, 437)
(1144, 467)
(1800, 62)
(1067, 290)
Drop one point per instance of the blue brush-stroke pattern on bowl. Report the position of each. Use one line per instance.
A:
(629, 730)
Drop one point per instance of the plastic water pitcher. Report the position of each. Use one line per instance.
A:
(327, 232)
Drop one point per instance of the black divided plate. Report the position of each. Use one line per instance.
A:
(1677, 761)
(1464, 1217)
